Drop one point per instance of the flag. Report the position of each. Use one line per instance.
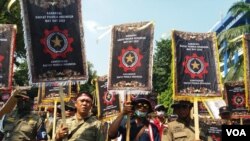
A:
(131, 57)
(54, 40)
(195, 65)
(7, 46)
(108, 104)
(246, 53)
(236, 97)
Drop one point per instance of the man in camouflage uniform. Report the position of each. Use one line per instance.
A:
(21, 124)
(182, 129)
(83, 126)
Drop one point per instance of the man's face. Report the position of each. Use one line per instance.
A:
(83, 104)
(182, 111)
(142, 106)
(225, 115)
(23, 103)
(69, 112)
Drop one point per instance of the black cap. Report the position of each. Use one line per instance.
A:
(84, 93)
(160, 107)
(224, 110)
(68, 106)
(142, 100)
(181, 103)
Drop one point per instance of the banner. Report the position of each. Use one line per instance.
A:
(7, 45)
(236, 97)
(196, 69)
(213, 106)
(108, 104)
(246, 53)
(54, 40)
(212, 128)
(131, 57)
(50, 93)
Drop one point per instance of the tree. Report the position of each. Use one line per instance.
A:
(162, 78)
(88, 86)
(236, 70)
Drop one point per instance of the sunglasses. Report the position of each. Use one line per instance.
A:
(142, 105)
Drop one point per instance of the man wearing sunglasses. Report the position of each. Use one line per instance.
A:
(140, 127)
(182, 129)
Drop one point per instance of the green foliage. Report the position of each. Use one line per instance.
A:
(236, 71)
(162, 79)
(88, 86)
(21, 74)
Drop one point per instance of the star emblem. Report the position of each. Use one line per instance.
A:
(195, 65)
(57, 42)
(129, 58)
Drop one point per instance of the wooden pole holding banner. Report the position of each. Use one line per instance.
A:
(241, 121)
(128, 99)
(62, 107)
(54, 121)
(196, 120)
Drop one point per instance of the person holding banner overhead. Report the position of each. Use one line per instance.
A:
(140, 127)
(82, 126)
(21, 124)
(182, 129)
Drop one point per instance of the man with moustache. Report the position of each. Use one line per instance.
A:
(82, 126)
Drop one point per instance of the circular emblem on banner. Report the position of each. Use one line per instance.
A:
(195, 66)
(130, 59)
(238, 100)
(57, 42)
(108, 98)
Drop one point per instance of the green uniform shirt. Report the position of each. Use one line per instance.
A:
(177, 131)
(21, 128)
(90, 130)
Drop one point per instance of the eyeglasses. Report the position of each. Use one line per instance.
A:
(144, 105)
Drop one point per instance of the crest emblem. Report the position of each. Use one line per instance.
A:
(238, 100)
(56, 42)
(130, 59)
(108, 98)
(195, 66)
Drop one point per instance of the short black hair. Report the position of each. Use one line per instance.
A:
(86, 93)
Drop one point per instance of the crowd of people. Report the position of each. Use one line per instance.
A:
(138, 121)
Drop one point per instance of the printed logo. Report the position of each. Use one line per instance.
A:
(56, 42)
(108, 98)
(130, 59)
(240, 132)
(238, 100)
(195, 66)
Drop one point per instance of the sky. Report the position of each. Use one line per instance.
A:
(184, 15)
